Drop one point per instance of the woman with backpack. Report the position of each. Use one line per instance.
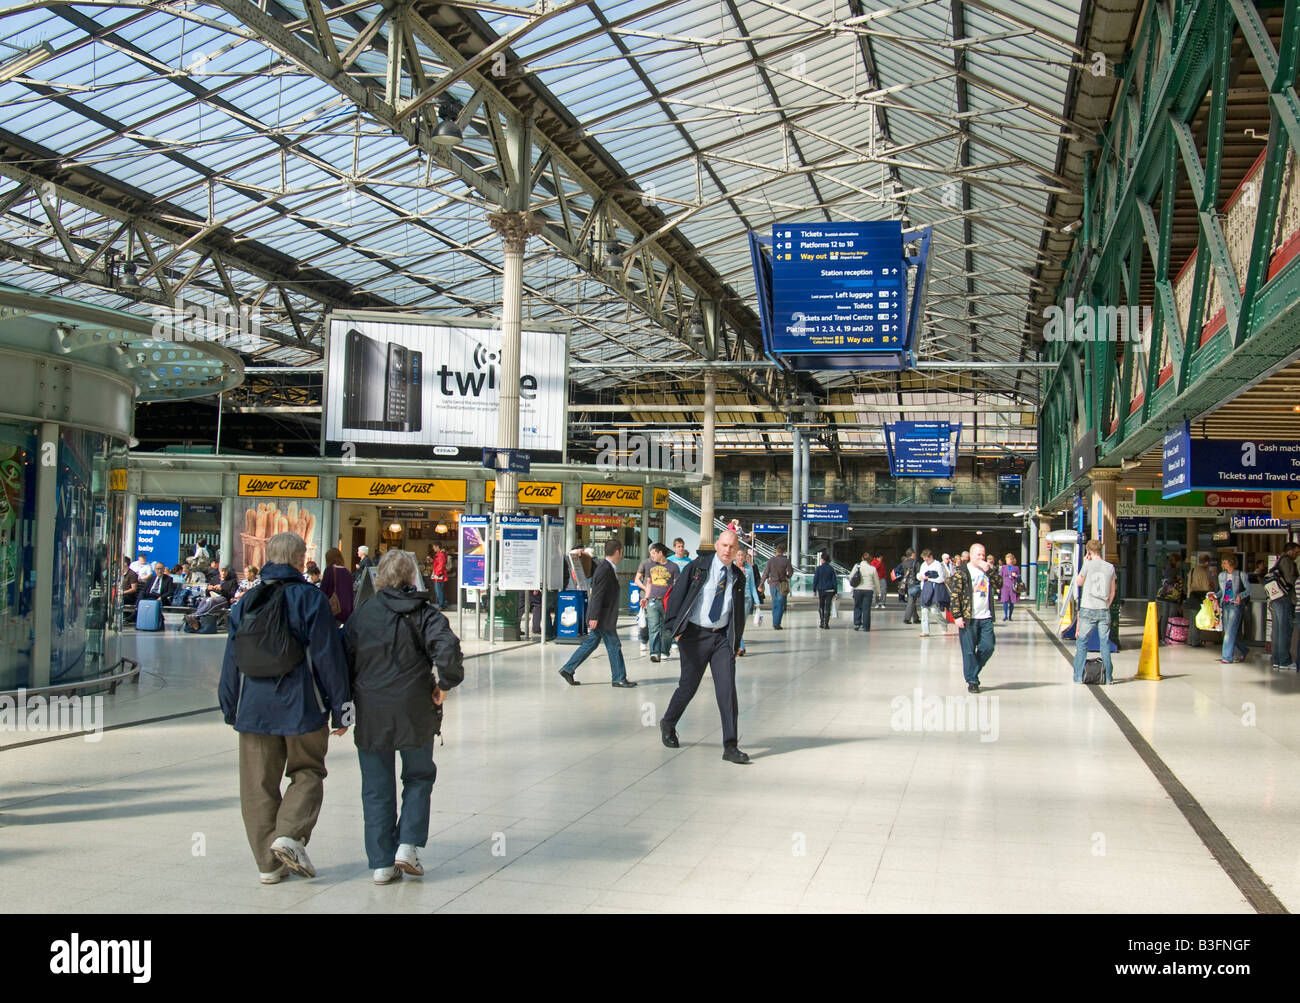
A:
(402, 658)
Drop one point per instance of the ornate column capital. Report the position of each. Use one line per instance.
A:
(516, 228)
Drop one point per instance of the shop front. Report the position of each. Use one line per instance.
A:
(401, 513)
(534, 497)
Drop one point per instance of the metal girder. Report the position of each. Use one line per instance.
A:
(276, 34)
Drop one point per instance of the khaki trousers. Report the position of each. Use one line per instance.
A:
(264, 760)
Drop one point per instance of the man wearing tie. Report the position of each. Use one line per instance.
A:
(160, 586)
(706, 616)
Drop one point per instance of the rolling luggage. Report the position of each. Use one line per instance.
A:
(1176, 631)
(148, 614)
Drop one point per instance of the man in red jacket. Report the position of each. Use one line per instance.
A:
(439, 574)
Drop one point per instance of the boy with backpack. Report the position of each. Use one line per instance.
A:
(284, 676)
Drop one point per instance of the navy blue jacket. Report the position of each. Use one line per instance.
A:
(316, 690)
(824, 579)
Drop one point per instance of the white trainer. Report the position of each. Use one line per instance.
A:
(387, 875)
(293, 854)
(645, 648)
(273, 877)
(408, 860)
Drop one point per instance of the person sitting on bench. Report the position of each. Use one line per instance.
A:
(219, 598)
(160, 585)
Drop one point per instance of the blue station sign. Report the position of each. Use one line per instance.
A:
(771, 527)
(1225, 464)
(838, 288)
(921, 448)
(819, 512)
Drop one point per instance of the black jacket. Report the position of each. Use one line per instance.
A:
(602, 602)
(686, 593)
(164, 590)
(392, 680)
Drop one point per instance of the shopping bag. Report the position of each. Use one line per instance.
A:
(1205, 615)
(640, 618)
(835, 609)
(758, 617)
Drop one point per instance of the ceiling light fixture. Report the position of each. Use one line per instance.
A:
(25, 61)
(447, 133)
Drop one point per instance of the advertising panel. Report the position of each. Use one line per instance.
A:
(259, 519)
(473, 551)
(424, 384)
(158, 532)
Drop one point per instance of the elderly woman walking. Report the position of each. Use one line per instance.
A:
(403, 658)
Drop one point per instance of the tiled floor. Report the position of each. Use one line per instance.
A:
(866, 792)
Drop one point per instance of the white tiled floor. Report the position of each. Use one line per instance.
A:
(551, 798)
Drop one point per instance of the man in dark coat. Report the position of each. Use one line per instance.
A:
(160, 586)
(283, 721)
(706, 616)
(602, 619)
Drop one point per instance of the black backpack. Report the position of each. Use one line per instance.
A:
(265, 647)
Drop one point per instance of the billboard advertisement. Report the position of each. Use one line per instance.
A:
(425, 384)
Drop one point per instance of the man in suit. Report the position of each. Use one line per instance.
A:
(160, 585)
(602, 618)
(706, 616)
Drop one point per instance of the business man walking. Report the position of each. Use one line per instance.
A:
(602, 618)
(706, 615)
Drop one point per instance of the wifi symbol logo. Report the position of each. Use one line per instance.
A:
(482, 357)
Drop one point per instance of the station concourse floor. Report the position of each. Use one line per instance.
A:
(552, 798)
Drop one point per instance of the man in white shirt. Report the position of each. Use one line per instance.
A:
(1096, 581)
(706, 616)
(971, 588)
(142, 568)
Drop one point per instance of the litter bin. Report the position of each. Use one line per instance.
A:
(572, 619)
(505, 614)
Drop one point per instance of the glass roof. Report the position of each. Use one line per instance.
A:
(228, 162)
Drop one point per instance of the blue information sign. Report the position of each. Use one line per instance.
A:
(1242, 522)
(1127, 525)
(921, 448)
(158, 532)
(771, 527)
(838, 287)
(1226, 464)
(818, 512)
(516, 460)
(1176, 462)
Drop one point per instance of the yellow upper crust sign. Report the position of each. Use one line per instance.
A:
(279, 485)
(532, 492)
(613, 495)
(117, 479)
(661, 498)
(1286, 505)
(401, 488)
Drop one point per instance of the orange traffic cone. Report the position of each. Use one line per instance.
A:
(1149, 660)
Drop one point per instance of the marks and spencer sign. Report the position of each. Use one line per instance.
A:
(613, 495)
(401, 489)
(278, 486)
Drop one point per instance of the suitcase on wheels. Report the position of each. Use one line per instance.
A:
(148, 614)
(1176, 631)
(1093, 671)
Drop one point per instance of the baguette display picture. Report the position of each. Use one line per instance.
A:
(434, 384)
(263, 518)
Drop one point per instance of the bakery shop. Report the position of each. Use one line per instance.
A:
(399, 513)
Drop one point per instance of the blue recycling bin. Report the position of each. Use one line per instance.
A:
(633, 598)
(571, 617)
